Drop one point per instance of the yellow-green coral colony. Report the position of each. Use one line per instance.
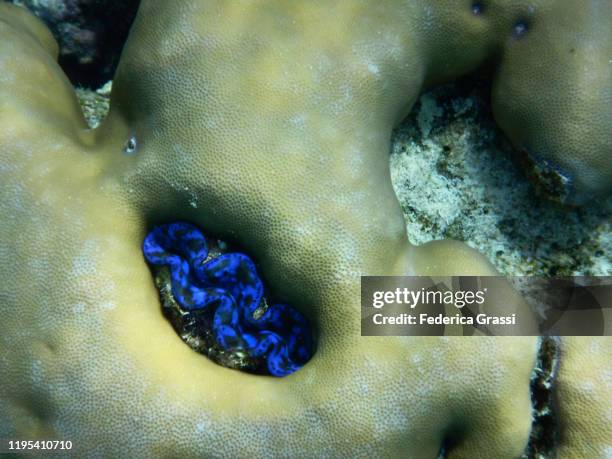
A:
(268, 123)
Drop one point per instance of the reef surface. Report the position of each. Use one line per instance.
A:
(453, 170)
(282, 146)
(455, 176)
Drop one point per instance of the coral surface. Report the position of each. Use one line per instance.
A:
(455, 178)
(269, 124)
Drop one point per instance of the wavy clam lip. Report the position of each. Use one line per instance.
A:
(550, 180)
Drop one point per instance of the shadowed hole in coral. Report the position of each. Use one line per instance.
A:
(520, 28)
(90, 33)
(452, 438)
(478, 8)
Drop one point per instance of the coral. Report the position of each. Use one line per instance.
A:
(585, 369)
(570, 140)
(453, 174)
(269, 125)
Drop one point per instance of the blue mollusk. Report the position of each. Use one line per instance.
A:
(230, 284)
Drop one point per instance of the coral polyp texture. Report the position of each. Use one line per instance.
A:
(268, 124)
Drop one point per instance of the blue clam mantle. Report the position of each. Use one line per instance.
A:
(231, 286)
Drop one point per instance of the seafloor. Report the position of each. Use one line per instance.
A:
(456, 177)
